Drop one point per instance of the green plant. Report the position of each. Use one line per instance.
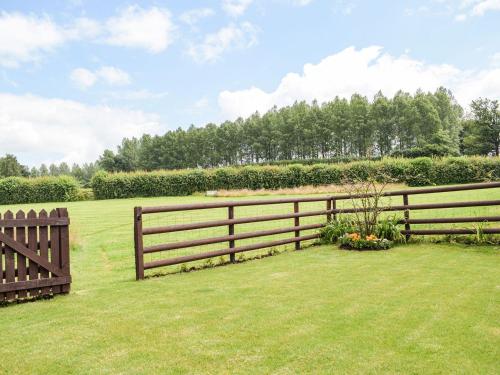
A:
(389, 228)
(335, 229)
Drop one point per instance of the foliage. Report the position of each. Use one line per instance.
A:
(10, 167)
(354, 241)
(42, 189)
(335, 229)
(427, 124)
(481, 134)
(416, 172)
(389, 228)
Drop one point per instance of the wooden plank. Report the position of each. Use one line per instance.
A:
(424, 232)
(230, 216)
(296, 224)
(32, 284)
(407, 216)
(54, 250)
(17, 247)
(10, 267)
(32, 245)
(235, 237)
(239, 249)
(21, 258)
(2, 295)
(64, 248)
(139, 245)
(44, 249)
(28, 222)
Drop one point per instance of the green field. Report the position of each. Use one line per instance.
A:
(420, 308)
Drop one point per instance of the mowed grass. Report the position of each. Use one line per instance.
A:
(420, 308)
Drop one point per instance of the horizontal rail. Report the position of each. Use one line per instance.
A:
(201, 206)
(242, 236)
(448, 220)
(34, 284)
(256, 219)
(220, 223)
(425, 206)
(424, 232)
(34, 222)
(216, 253)
(439, 189)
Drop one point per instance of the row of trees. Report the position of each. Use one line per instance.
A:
(423, 124)
(10, 167)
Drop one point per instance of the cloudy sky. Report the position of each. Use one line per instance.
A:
(77, 76)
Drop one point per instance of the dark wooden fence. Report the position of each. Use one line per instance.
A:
(34, 254)
(328, 213)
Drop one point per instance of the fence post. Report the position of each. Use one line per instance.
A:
(328, 208)
(230, 216)
(296, 223)
(407, 216)
(139, 246)
(334, 207)
(64, 249)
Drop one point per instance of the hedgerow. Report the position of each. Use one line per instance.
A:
(15, 190)
(414, 172)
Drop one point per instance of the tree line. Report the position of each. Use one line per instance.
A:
(422, 124)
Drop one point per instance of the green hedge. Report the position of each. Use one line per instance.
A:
(15, 190)
(414, 172)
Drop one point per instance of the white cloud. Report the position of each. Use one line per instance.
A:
(113, 76)
(137, 95)
(364, 71)
(235, 8)
(484, 6)
(191, 17)
(54, 130)
(227, 38)
(201, 103)
(460, 17)
(83, 78)
(302, 2)
(26, 38)
(151, 29)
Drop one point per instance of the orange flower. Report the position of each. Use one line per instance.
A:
(354, 236)
(371, 237)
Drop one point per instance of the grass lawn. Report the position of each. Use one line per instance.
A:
(420, 308)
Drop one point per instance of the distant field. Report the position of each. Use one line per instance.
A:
(421, 308)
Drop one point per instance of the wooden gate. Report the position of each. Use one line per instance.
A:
(34, 254)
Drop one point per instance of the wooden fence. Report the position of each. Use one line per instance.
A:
(34, 254)
(328, 213)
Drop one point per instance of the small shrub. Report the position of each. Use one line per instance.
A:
(335, 229)
(389, 228)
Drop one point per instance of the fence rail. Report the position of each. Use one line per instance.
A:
(328, 213)
(34, 254)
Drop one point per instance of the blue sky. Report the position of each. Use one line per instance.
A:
(77, 76)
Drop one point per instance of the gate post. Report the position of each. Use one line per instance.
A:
(230, 216)
(328, 208)
(139, 246)
(407, 216)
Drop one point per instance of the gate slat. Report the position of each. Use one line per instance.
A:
(2, 295)
(64, 248)
(32, 245)
(21, 259)
(10, 267)
(44, 250)
(54, 249)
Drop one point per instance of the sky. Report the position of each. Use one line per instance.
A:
(77, 76)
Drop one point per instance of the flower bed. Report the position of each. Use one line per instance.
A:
(354, 241)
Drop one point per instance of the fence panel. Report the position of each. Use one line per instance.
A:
(280, 213)
(34, 265)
